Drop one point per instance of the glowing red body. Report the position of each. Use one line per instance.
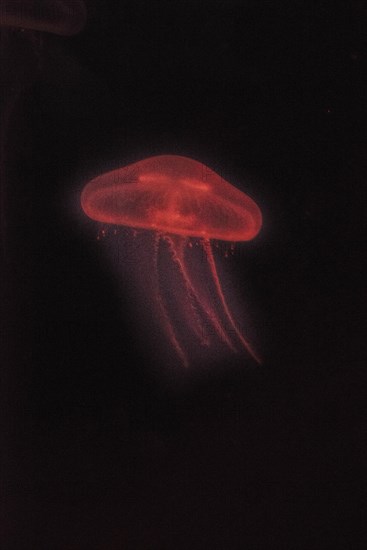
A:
(178, 198)
(173, 194)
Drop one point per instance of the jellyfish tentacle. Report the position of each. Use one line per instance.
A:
(176, 244)
(213, 269)
(178, 256)
(165, 316)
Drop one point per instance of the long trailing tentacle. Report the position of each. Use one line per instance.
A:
(245, 343)
(177, 248)
(162, 307)
(176, 245)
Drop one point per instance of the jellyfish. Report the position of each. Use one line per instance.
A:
(60, 17)
(20, 64)
(63, 17)
(181, 200)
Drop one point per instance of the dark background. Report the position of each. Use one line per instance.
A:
(100, 450)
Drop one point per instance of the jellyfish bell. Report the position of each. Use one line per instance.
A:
(180, 199)
(173, 194)
(62, 17)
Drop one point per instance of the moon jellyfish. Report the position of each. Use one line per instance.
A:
(21, 61)
(182, 201)
(63, 17)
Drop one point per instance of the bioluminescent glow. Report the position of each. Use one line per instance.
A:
(180, 199)
(63, 17)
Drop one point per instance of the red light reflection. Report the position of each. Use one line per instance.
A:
(63, 17)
